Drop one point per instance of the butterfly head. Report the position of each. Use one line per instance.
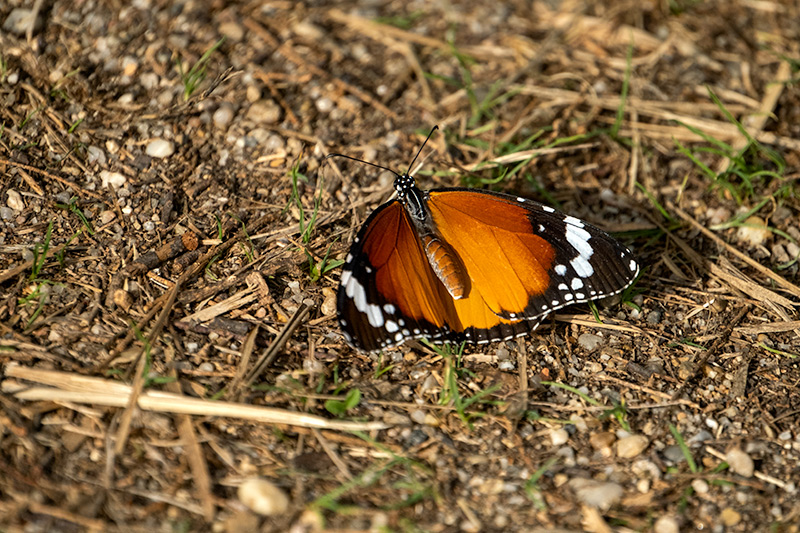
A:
(403, 183)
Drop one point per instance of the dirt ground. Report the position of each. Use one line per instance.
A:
(171, 235)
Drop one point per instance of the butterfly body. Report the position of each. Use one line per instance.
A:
(461, 264)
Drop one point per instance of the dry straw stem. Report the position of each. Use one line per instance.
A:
(68, 387)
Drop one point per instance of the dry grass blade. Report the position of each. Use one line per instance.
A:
(66, 387)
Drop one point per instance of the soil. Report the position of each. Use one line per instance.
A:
(171, 235)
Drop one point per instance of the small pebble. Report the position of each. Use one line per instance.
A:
(785, 435)
(596, 493)
(740, 462)
(559, 436)
(654, 317)
(112, 179)
(666, 524)
(418, 416)
(107, 216)
(15, 200)
(149, 80)
(674, 454)
(232, 30)
(264, 112)
(631, 446)
(324, 104)
(328, 306)
(95, 154)
(223, 116)
(6, 213)
(754, 232)
(601, 440)
(700, 486)
(19, 20)
(589, 341)
(263, 497)
(206, 367)
(730, 517)
(160, 148)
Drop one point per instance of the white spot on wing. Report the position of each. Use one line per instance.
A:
(574, 221)
(577, 283)
(389, 308)
(579, 239)
(548, 209)
(582, 266)
(391, 326)
(560, 270)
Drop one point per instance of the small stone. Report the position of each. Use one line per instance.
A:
(112, 179)
(674, 453)
(206, 367)
(6, 213)
(159, 148)
(232, 31)
(149, 80)
(263, 497)
(559, 436)
(418, 416)
(753, 232)
(123, 299)
(785, 435)
(598, 494)
(95, 154)
(223, 116)
(15, 200)
(654, 317)
(666, 524)
(589, 341)
(20, 19)
(328, 307)
(730, 517)
(264, 112)
(700, 486)
(324, 104)
(107, 217)
(602, 440)
(740, 462)
(631, 446)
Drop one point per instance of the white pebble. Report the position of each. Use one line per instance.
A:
(112, 179)
(559, 436)
(754, 232)
(15, 200)
(324, 104)
(666, 524)
(20, 19)
(159, 148)
(596, 493)
(222, 116)
(700, 486)
(631, 446)
(262, 497)
(95, 154)
(740, 462)
(589, 341)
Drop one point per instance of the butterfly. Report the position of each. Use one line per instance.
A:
(458, 264)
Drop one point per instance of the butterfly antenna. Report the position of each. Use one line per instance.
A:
(362, 161)
(420, 150)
